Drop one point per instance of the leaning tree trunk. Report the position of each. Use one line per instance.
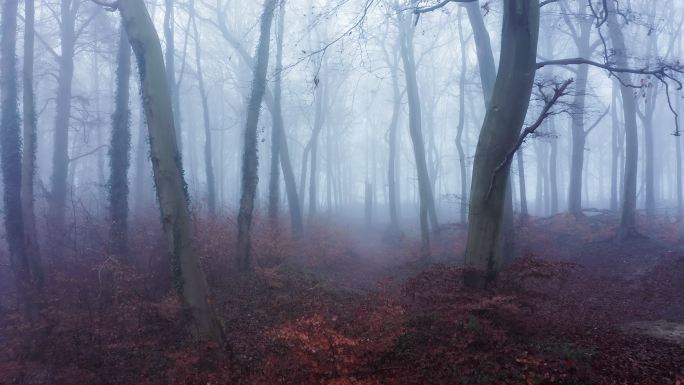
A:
(10, 142)
(28, 162)
(627, 227)
(250, 160)
(60, 157)
(500, 131)
(168, 173)
(119, 150)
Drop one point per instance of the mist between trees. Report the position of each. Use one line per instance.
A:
(391, 117)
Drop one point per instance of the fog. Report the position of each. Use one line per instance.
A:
(360, 141)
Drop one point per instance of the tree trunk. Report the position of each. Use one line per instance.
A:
(319, 121)
(208, 157)
(485, 59)
(553, 167)
(628, 216)
(10, 143)
(678, 144)
(615, 150)
(277, 129)
(168, 173)
(426, 198)
(579, 136)
(500, 131)
(293, 199)
(461, 124)
(521, 184)
(250, 160)
(60, 157)
(483, 47)
(119, 150)
(28, 162)
(170, 54)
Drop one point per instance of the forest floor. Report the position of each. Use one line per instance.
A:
(336, 309)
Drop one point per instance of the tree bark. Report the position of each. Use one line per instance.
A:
(579, 136)
(250, 160)
(500, 131)
(28, 162)
(277, 129)
(461, 124)
(627, 226)
(524, 212)
(615, 149)
(170, 55)
(168, 173)
(60, 157)
(10, 143)
(119, 150)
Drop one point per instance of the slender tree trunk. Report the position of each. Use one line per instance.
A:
(579, 136)
(141, 154)
(426, 198)
(524, 212)
(277, 129)
(119, 150)
(60, 157)
(678, 144)
(168, 173)
(461, 125)
(553, 167)
(483, 47)
(319, 121)
(28, 162)
(10, 143)
(500, 131)
(208, 157)
(293, 199)
(615, 149)
(628, 217)
(170, 55)
(250, 160)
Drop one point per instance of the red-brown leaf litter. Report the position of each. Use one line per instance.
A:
(574, 307)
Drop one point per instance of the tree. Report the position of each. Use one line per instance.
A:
(189, 278)
(10, 142)
(277, 129)
(28, 161)
(60, 159)
(500, 131)
(627, 227)
(293, 200)
(250, 160)
(426, 198)
(170, 55)
(119, 150)
(208, 157)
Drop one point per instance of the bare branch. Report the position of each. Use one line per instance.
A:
(559, 91)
